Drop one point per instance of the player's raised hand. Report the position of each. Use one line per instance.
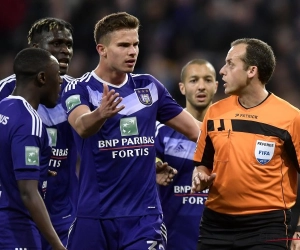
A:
(201, 181)
(109, 103)
(164, 173)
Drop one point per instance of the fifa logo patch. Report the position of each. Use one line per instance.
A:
(144, 96)
(32, 156)
(264, 151)
(128, 126)
(52, 134)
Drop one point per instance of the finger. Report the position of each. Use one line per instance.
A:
(212, 177)
(117, 110)
(115, 102)
(52, 173)
(105, 90)
(173, 171)
(111, 95)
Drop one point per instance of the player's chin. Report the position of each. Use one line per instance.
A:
(63, 71)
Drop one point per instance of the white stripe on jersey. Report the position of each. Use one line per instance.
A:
(67, 78)
(71, 85)
(158, 126)
(7, 80)
(36, 120)
(163, 231)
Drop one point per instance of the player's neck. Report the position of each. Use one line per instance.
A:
(27, 94)
(113, 77)
(196, 113)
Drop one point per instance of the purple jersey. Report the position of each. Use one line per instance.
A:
(24, 154)
(182, 211)
(7, 86)
(61, 196)
(117, 172)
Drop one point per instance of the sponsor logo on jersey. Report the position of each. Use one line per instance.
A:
(73, 101)
(179, 148)
(264, 151)
(128, 126)
(32, 156)
(249, 116)
(52, 133)
(144, 96)
(184, 192)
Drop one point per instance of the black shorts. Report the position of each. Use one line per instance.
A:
(270, 230)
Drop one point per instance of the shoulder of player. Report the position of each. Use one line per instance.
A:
(8, 80)
(144, 77)
(21, 108)
(71, 82)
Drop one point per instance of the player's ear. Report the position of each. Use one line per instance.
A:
(101, 49)
(216, 88)
(41, 78)
(182, 88)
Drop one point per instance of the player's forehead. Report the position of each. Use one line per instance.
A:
(204, 70)
(56, 34)
(124, 35)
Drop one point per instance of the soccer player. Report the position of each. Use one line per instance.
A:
(113, 113)
(55, 36)
(25, 152)
(182, 211)
(248, 154)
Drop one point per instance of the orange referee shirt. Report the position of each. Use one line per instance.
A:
(254, 152)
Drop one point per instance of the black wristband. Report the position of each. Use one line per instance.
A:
(297, 229)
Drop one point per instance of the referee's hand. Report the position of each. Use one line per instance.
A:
(201, 181)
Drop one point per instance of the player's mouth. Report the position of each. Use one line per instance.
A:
(201, 97)
(64, 63)
(130, 63)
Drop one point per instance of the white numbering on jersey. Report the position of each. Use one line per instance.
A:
(0, 193)
(154, 244)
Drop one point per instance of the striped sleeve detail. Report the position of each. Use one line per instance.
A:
(158, 126)
(7, 80)
(68, 78)
(36, 125)
(72, 85)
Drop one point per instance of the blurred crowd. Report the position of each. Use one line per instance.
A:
(172, 32)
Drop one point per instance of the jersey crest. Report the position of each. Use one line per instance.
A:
(144, 96)
(264, 151)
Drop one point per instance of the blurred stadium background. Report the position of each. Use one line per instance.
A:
(172, 32)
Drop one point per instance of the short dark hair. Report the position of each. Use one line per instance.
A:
(113, 22)
(29, 62)
(198, 62)
(259, 54)
(45, 25)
